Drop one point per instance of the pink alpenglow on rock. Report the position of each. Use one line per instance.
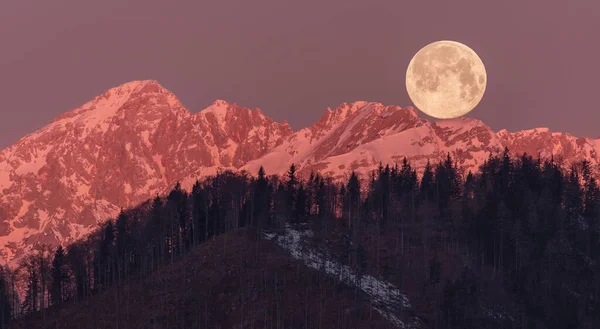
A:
(137, 140)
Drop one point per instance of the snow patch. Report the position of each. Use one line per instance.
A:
(386, 298)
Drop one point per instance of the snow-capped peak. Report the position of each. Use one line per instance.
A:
(136, 140)
(220, 108)
(501, 133)
(132, 86)
(461, 123)
(122, 147)
(218, 105)
(539, 130)
(135, 99)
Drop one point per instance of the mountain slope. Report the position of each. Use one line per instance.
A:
(369, 133)
(359, 136)
(137, 140)
(224, 283)
(119, 149)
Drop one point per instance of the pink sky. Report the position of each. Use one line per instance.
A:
(293, 59)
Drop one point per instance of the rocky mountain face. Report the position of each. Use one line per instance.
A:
(119, 149)
(137, 140)
(358, 136)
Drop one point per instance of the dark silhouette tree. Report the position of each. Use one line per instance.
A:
(5, 299)
(352, 200)
(261, 199)
(290, 188)
(29, 267)
(427, 187)
(59, 276)
(301, 205)
(123, 245)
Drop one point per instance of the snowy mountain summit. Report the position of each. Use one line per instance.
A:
(137, 140)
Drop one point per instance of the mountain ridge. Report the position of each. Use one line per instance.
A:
(136, 140)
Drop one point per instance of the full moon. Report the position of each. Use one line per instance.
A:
(446, 79)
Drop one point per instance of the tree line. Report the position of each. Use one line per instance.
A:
(513, 245)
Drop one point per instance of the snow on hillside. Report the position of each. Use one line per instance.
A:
(386, 299)
(366, 157)
(372, 133)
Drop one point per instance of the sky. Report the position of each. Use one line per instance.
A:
(294, 59)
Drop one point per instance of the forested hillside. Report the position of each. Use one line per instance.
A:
(232, 281)
(515, 245)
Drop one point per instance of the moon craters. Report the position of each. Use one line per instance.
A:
(445, 79)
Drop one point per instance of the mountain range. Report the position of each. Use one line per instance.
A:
(137, 140)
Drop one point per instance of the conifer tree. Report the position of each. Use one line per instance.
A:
(427, 188)
(261, 201)
(198, 229)
(301, 205)
(29, 267)
(155, 231)
(292, 182)
(5, 299)
(123, 244)
(353, 200)
(59, 276)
